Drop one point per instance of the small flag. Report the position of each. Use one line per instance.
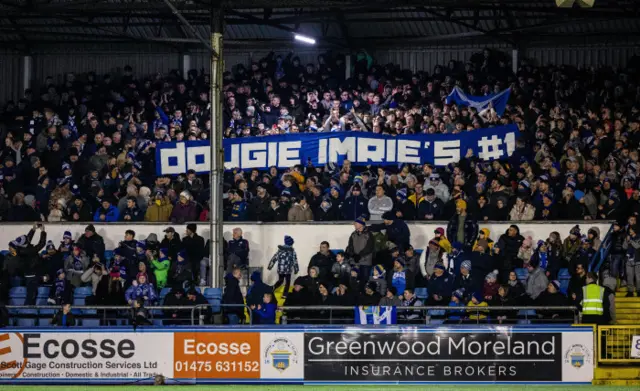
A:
(375, 315)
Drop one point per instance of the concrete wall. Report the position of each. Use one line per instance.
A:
(265, 238)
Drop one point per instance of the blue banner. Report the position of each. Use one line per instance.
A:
(499, 100)
(318, 149)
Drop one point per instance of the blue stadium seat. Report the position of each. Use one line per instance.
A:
(42, 300)
(214, 297)
(564, 274)
(108, 254)
(522, 274)
(4, 252)
(17, 295)
(418, 251)
(27, 318)
(436, 321)
(336, 250)
(90, 318)
(421, 293)
(564, 277)
(16, 281)
(43, 291)
(82, 291)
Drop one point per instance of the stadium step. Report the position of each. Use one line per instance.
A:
(617, 373)
(626, 321)
(635, 317)
(616, 383)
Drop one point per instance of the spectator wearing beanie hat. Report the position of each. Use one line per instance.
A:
(440, 286)
(536, 283)
(442, 240)
(430, 207)
(476, 314)
(466, 280)
(286, 260)
(553, 297)
(356, 205)
(462, 227)
(396, 230)
(400, 277)
(360, 247)
(402, 207)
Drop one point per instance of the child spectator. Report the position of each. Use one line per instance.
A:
(287, 262)
(265, 313)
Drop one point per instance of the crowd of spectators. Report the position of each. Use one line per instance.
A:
(84, 151)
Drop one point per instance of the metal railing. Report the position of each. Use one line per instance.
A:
(614, 344)
(425, 314)
(116, 314)
(599, 257)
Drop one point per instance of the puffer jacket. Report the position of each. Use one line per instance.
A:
(75, 268)
(137, 291)
(159, 213)
(287, 260)
(537, 282)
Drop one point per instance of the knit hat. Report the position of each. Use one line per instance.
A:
(478, 297)
(388, 216)
(527, 242)
(182, 254)
(466, 265)
(439, 231)
(356, 187)
(355, 269)
(434, 177)
(21, 241)
(59, 272)
(575, 230)
(457, 245)
(379, 269)
(492, 276)
(439, 266)
(402, 194)
(67, 234)
(462, 204)
(141, 244)
(164, 251)
(50, 245)
(459, 293)
(399, 260)
(360, 220)
(524, 183)
(540, 243)
(288, 240)
(357, 179)
(585, 239)
(556, 284)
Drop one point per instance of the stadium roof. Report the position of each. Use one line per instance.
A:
(31, 24)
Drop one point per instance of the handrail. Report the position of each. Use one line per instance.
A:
(445, 309)
(603, 251)
(337, 222)
(191, 308)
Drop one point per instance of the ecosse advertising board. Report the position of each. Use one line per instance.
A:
(328, 355)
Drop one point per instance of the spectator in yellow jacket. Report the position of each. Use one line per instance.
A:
(445, 244)
(484, 240)
(159, 209)
(477, 301)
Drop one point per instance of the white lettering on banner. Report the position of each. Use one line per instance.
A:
(445, 152)
(339, 148)
(391, 150)
(322, 151)
(254, 155)
(235, 158)
(172, 160)
(289, 153)
(490, 148)
(409, 151)
(371, 150)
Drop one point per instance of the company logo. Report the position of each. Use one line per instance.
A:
(578, 356)
(281, 353)
(12, 360)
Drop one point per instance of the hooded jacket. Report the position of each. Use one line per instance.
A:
(487, 243)
(536, 283)
(286, 259)
(256, 291)
(160, 269)
(75, 267)
(159, 213)
(361, 247)
(182, 213)
(299, 213)
(509, 247)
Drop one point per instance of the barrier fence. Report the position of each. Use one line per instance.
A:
(616, 345)
(197, 314)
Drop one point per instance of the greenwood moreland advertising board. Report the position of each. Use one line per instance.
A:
(302, 355)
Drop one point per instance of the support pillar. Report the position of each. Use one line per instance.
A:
(27, 73)
(186, 65)
(217, 151)
(514, 60)
(347, 66)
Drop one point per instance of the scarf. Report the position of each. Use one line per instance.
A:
(77, 263)
(544, 260)
(60, 287)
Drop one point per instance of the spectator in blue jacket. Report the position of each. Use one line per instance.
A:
(265, 313)
(141, 289)
(457, 301)
(107, 213)
(237, 251)
(239, 211)
(440, 286)
(355, 205)
(396, 229)
(399, 277)
(467, 281)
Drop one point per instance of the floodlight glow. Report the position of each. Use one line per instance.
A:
(304, 39)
